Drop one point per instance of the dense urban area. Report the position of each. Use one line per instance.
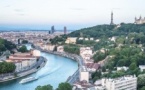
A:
(110, 57)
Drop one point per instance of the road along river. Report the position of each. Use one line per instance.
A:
(56, 70)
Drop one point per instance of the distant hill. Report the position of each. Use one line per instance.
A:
(108, 30)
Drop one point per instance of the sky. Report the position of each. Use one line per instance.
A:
(74, 14)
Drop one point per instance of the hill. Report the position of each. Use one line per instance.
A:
(100, 31)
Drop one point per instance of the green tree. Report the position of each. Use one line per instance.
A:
(132, 66)
(6, 67)
(24, 42)
(141, 80)
(23, 49)
(64, 86)
(46, 87)
(143, 88)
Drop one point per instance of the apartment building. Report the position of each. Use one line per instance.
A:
(121, 83)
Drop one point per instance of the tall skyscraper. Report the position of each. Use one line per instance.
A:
(111, 19)
(52, 29)
(65, 30)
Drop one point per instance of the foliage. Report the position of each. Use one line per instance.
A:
(96, 31)
(6, 45)
(58, 39)
(86, 42)
(115, 74)
(24, 42)
(64, 86)
(126, 55)
(100, 31)
(74, 49)
(6, 67)
(96, 75)
(143, 88)
(45, 87)
(99, 56)
(141, 80)
(23, 49)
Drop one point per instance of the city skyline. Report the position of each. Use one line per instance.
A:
(74, 14)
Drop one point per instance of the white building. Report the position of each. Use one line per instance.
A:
(121, 83)
(112, 39)
(60, 49)
(84, 74)
(142, 67)
(122, 68)
(91, 38)
(81, 38)
(86, 39)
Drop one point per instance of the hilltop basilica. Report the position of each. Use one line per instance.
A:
(140, 20)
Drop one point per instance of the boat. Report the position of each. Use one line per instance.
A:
(29, 79)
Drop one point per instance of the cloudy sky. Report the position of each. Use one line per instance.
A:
(75, 14)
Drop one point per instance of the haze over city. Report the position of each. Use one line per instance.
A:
(75, 14)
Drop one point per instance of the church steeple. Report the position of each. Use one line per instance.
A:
(111, 19)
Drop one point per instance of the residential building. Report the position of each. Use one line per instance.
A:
(121, 83)
(122, 68)
(36, 53)
(60, 49)
(84, 74)
(142, 68)
(86, 53)
(92, 67)
(23, 61)
(71, 40)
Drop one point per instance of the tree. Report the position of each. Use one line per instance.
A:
(24, 41)
(23, 49)
(143, 88)
(74, 49)
(132, 66)
(6, 67)
(141, 80)
(64, 86)
(46, 87)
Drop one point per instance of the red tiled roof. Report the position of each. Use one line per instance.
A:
(92, 65)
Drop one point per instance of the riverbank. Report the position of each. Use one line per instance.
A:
(37, 67)
(75, 77)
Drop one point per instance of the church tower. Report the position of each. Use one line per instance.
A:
(111, 19)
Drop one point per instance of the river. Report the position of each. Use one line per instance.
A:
(56, 70)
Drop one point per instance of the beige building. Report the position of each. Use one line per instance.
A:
(84, 74)
(50, 47)
(140, 20)
(121, 83)
(36, 53)
(71, 40)
(23, 61)
(60, 49)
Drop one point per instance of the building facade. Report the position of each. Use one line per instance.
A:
(23, 61)
(84, 74)
(139, 20)
(86, 53)
(121, 83)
